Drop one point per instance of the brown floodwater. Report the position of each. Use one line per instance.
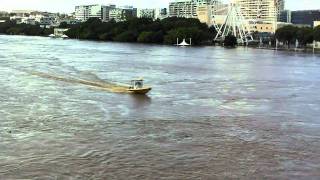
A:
(213, 113)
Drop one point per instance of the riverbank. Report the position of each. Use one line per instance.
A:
(307, 51)
(12, 28)
(301, 50)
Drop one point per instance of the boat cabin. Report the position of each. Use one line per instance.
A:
(136, 84)
(137, 87)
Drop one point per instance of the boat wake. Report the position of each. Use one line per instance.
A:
(111, 87)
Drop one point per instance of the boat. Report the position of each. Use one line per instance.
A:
(137, 87)
(64, 36)
(59, 36)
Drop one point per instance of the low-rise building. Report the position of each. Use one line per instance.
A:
(22, 13)
(316, 23)
(59, 32)
(44, 19)
(264, 28)
(282, 24)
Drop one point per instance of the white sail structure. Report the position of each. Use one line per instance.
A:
(183, 43)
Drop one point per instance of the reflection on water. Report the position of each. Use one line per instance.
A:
(213, 113)
(140, 100)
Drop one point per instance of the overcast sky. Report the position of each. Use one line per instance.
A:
(68, 5)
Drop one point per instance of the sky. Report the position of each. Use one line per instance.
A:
(67, 6)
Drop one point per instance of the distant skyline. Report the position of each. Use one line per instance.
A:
(67, 6)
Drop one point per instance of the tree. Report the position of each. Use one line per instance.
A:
(64, 25)
(150, 37)
(230, 41)
(127, 36)
(198, 36)
(287, 34)
(316, 33)
(106, 36)
(305, 35)
(144, 30)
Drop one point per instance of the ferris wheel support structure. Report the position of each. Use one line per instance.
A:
(235, 24)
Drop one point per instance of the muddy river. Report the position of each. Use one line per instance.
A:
(213, 113)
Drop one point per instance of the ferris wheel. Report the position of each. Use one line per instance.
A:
(236, 23)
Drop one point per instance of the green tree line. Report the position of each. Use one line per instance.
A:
(143, 30)
(12, 28)
(304, 35)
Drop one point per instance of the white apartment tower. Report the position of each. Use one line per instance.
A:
(83, 13)
(146, 13)
(183, 8)
(202, 9)
(265, 11)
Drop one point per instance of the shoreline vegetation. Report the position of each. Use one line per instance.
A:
(144, 30)
(166, 31)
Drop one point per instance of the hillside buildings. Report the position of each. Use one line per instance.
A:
(35, 17)
(44, 19)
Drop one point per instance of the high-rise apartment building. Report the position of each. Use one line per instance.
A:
(204, 14)
(301, 17)
(306, 17)
(122, 13)
(146, 13)
(83, 13)
(204, 10)
(285, 16)
(265, 11)
(106, 11)
(158, 13)
(183, 8)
